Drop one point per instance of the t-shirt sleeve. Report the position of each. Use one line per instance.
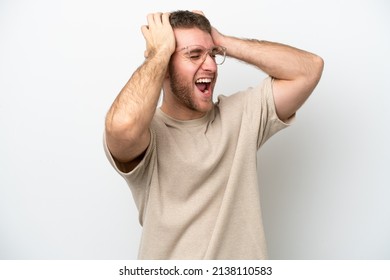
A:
(139, 178)
(269, 122)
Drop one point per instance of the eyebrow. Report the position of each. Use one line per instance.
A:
(199, 47)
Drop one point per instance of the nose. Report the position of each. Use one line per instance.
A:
(209, 63)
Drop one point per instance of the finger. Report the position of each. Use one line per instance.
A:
(145, 31)
(153, 19)
(146, 34)
(198, 12)
(150, 19)
(145, 27)
(165, 18)
(157, 18)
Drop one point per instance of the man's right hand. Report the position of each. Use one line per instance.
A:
(158, 35)
(130, 115)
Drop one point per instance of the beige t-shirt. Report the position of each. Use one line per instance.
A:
(196, 188)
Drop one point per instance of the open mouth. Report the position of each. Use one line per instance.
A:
(203, 85)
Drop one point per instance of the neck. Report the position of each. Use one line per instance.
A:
(181, 113)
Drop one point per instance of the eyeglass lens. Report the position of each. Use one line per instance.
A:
(198, 54)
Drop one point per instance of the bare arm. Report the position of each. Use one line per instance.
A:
(129, 118)
(296, 72)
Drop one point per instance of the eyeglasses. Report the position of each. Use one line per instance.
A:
(197, 54)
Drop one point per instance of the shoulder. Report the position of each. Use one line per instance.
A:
(263, 87)
(251, 96)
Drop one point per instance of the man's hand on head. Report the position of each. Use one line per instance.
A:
(217, 36)
(198, 12)
(158, 35)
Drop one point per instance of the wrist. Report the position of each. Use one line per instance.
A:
(160, 55)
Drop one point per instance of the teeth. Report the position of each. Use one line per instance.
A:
(203, 81)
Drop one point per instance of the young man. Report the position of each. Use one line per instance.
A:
(191, 164)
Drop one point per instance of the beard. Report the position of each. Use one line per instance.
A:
(182, 90)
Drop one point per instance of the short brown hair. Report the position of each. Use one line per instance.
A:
(186, 19)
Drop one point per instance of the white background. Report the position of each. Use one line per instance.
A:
(325, 180)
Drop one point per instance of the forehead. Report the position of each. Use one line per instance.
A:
(193, 36)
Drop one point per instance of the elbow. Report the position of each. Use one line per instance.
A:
(313, 72)
(318, 67)
(117, 127)
(124, 128)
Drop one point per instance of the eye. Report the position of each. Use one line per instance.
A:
(217, 50)
(195, 54)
